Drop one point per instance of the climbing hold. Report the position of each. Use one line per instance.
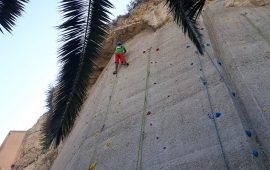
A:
(207, 44)
(151, 62)
(202, 29)
(233, 94)
(219, 62)
(205, 83)
(200, 69)
(170, 64)
(168, 96)
(155, 83)
(157, 49)
(92, 166)
(191, 64)
(151, 124)
(144, 51)
(217, 114)
(97, 134)
(148, 113)
(110, 81)
(248, 133)
(255, 152)
(155, 62)
(188, 46)
(157, 138)
(108, 143)
(164, 147)
(264, 109)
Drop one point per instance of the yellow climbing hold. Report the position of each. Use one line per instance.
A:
(94, 115)
(92, 166)
(264, 109)
(110, 81)
(108, 144)
(97, 133)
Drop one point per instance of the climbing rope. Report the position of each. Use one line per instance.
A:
(93, 163)
(110, 101)
(221, 75)
(143, 120)
(248, 132)
(205, 83)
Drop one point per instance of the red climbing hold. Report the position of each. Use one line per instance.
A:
(148, 113)
(157, 49)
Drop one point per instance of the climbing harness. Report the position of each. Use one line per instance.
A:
(143, 118)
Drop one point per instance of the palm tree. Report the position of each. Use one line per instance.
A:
(82, 33)
(9, 11)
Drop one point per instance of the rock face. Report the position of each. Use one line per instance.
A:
(31, 156)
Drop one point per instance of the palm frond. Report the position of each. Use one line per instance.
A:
(82, 33)
(185, 13)
(10, 10)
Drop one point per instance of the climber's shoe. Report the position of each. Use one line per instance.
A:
(115, 72)
(126, 64)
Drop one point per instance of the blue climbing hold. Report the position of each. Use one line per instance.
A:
(217, 114)
(248, 133)
(255, 152)
(234, 94)
(205, 83)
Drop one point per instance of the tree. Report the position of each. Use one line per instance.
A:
(9, 11)
(82, 32)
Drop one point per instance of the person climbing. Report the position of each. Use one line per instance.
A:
(119, 55)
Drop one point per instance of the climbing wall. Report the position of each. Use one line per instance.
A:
(170, 109)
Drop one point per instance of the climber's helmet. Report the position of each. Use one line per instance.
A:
(119, 43)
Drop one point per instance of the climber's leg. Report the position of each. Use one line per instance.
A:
(116, 61)
(123, 59)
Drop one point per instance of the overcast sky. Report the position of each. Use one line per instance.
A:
(29, 64)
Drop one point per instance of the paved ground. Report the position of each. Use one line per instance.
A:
(155, 113)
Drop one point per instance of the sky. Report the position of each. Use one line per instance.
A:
(28, 64)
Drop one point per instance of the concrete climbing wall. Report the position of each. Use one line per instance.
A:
(170, 109)
(242, 46)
